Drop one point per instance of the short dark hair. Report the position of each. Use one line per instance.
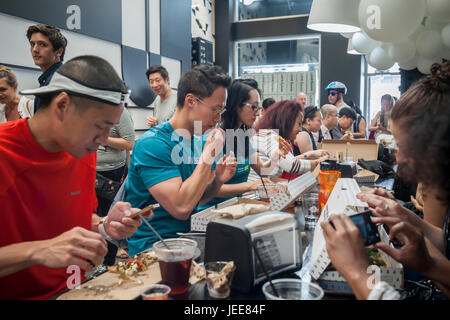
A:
(423, 114)
(281, 115)
(53, 34)
(348, 112)
(91, 71)
(201, 81)
(157, 68)
(353, 105)
(310, 113)
(238, 94)
(267, 103)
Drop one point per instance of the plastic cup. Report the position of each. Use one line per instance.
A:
(292, 289)
(155, 292)
(271, 192)
(218, 288)
(175, 263)
(310, 205)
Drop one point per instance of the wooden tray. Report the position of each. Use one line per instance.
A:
(128, 290)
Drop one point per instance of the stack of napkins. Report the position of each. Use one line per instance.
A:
(238, 211)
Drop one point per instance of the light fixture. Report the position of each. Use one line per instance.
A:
(350, 49)
(334, 16)
(247, 2)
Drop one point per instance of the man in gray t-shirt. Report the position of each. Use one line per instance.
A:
(165, 103)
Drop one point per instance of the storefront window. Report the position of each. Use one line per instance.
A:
(282, 68)
(256, 9)
(379, 83)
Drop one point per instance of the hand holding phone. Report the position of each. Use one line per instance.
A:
(368, 229)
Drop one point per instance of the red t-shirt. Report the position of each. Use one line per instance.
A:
(42, 195)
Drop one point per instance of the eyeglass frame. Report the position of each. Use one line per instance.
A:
(252, 106)
(214, 111)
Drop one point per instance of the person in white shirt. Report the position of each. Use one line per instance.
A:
(165, 104)
(329, 120)
(12, 106)
(279, 121)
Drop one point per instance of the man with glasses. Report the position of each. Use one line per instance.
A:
(336, 91)
(329, 120)
(171, 166)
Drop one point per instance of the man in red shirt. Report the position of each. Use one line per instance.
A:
(47, 187)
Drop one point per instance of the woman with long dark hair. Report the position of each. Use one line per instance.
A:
(242, 108)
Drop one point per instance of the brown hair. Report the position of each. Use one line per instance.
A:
(52, 33)
(281, 115)
(6, 72)
(423, 114)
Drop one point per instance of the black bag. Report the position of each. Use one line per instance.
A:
(378, 167)
(105, 187)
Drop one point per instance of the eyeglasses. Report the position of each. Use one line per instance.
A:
(215, 111)
(252, 106)
(333, 93)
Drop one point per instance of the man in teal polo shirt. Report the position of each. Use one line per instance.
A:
(170, 164)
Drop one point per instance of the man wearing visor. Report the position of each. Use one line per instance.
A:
(47, 187)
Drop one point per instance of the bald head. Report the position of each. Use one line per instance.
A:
(329, 115)
(301, 100)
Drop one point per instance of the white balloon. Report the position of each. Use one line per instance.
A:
(429, 43)
(402, 51)
(410, 64)
(380, 59)
(424, 64)
(389, 20)
(439, 9)
(445, 35)
(362, 43)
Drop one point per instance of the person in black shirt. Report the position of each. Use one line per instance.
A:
(47, 47)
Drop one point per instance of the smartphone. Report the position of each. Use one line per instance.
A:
(368, 229)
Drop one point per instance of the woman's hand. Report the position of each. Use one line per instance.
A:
(316, 154)
(413, 251)
(345, 246)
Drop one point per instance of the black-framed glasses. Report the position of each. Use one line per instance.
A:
(215, 111)
(252, 106)
(333, 93)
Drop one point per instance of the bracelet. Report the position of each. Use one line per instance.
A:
(102, 231)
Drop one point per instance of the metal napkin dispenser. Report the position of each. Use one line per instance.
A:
(275, 236)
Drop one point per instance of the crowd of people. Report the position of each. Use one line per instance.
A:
(208, 141)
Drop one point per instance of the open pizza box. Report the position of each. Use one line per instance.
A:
(343, 200)
(357, 149)
(279, 202)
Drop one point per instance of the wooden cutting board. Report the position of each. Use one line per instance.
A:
(128, 290)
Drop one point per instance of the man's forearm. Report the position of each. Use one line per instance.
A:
(192, 189)
(211, 192)
(16, 257)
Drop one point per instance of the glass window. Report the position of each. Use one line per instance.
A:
(379, 83)
(255, 9)
(282, 68)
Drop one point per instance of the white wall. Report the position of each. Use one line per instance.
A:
(133, 23)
